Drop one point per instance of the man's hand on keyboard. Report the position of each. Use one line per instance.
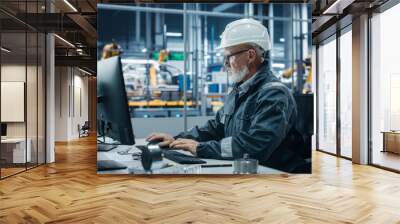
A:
(185, 144)
(165, 139)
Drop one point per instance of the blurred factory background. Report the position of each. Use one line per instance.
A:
(155, 39)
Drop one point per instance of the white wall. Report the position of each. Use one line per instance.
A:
(80, 111)
(33, 126)
(12, 101)
(16, 73)
(61, 103)
(71, 103)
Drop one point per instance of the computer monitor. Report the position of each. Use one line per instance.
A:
(113, 118)
(3, 129)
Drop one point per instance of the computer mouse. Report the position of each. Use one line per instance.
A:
(154, 142)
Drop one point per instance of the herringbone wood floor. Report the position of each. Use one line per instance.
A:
(70, 191)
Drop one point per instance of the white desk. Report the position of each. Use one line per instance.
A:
(18, 150)
(135, 166)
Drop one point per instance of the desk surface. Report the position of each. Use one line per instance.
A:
(135, 166)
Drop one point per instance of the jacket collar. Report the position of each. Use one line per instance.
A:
(262, 75)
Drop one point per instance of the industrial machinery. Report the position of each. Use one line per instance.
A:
(111, 49)
(155, 87)
(298, 71)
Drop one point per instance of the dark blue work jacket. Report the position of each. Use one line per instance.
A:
(257, 119)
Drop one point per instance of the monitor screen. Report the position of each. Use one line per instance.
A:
(113, 117)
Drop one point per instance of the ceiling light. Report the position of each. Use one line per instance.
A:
(5, 50)
(174, 34)
(84, 71)
(65, 41)
(337, 7)
(282, 40)
(70, 5)
(144, 50)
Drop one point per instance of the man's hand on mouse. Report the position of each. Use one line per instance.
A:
(185, 144)
(165, 139)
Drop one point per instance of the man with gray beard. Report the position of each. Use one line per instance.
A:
(258, 115)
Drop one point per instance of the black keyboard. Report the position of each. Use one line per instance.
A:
(181, 158)
(105, 148)
(176, 156)
(109, 165)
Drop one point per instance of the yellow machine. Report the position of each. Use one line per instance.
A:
(163, 55)
(307, 67)
(110, 50)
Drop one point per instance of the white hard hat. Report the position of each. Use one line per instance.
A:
(245, 31)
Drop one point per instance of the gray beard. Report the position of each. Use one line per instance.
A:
(239, 76)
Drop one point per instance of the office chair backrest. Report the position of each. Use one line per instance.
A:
(86, 125)
(305, 113)
(305, 121)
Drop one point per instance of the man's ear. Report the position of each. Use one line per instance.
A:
(252, 56)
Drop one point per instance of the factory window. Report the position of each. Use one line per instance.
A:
(334, 96)
(327, 96)
(385, 87)
(346, 93)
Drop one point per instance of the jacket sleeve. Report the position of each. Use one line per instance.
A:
(212, 130)
(275, 113)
